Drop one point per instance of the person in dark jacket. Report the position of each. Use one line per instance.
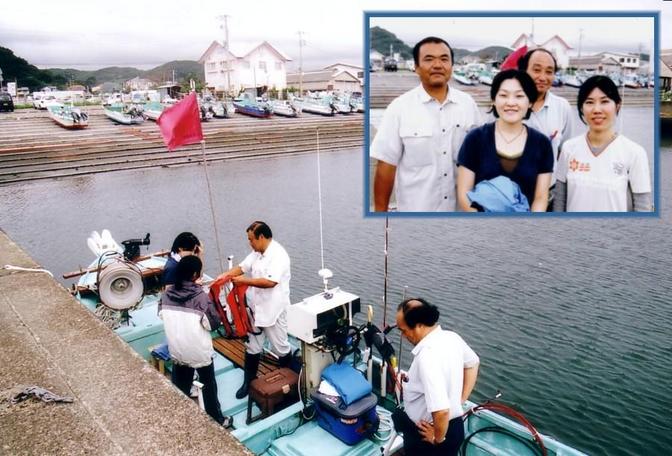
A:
(185, 244)
(507, 147)
(188, 316)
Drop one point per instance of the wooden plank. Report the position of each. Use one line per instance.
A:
(234, 351)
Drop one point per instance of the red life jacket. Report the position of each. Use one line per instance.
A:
(240, 312)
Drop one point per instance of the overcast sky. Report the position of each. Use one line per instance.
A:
(93, 33)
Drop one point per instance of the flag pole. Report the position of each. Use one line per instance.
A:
(212, 208)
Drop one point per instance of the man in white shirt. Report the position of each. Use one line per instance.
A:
(441, 377)
(266, 270)
(420, 134)
(551, 115)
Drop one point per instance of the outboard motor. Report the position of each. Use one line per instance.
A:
(132, 247)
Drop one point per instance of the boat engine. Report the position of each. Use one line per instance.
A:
(132, 247)
(120, 285)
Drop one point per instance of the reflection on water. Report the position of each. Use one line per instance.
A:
(570, 316)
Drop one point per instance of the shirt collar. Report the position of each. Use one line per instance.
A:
(427, 340)
(427, 98)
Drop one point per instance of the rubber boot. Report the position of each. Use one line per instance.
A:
(285, 360)
(251, 367)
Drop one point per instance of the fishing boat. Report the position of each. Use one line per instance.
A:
(463, 78)
(318, 105)
(631, 81)
(220, 109)
(342, 104)
(486, 77)
(571, 80)
(68, 116)
(122, 287)
(246, 104)
(125, 114)
(357, 102)
(153, 110)
(206, 114)
(285, 108)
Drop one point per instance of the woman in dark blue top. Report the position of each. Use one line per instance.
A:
(507, 147)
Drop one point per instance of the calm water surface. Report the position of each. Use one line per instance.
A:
(570, 316)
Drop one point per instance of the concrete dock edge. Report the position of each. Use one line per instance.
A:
(122, 406)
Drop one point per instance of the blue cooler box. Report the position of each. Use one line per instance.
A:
(350, 424)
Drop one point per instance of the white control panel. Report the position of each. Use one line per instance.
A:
(309, 319)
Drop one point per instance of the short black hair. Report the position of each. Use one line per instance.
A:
(185, 241)
(259, 228)
(525, 81)
(415, 313)
(186, 269)
(524, 61)
(430, 39)
(605, 84)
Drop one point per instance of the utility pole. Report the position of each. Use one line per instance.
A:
(225, 19)
(580, 40)
(301, 43)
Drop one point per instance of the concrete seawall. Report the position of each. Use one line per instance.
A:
(122, 406)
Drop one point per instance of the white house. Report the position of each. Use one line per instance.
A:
(595, 63)
(555, 45)
(263, 66)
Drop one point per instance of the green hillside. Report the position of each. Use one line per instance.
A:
(27, 75)
(381, 40)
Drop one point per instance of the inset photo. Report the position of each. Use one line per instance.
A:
(511, 113)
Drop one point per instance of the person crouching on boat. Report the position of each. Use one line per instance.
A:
(266, 270)
(602, 171)
(441, 377)
(184, 244)
(507, 147)
(188, 317)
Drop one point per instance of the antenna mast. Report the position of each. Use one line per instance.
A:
(301, 43)
(225, 19)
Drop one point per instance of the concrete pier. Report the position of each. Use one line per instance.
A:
(122, 406)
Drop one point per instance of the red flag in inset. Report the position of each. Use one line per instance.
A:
(181, 124)
(511, 62)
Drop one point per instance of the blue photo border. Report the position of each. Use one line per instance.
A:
(655, 15)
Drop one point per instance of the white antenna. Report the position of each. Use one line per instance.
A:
(326, 274)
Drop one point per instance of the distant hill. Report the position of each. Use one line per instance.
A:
(16, 68)
(493, 53)
(381, 39)
(184, 70)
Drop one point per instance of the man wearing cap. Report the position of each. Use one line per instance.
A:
(420, 134)
(441, 377)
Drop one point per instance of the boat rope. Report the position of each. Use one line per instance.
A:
(10, 267)
(220, 257)
(319, 195)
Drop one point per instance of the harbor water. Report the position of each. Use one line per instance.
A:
(570, 316)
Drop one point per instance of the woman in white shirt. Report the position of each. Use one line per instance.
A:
(602, 171)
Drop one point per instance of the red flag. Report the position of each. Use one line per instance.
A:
(181, 124)
(511, 62)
